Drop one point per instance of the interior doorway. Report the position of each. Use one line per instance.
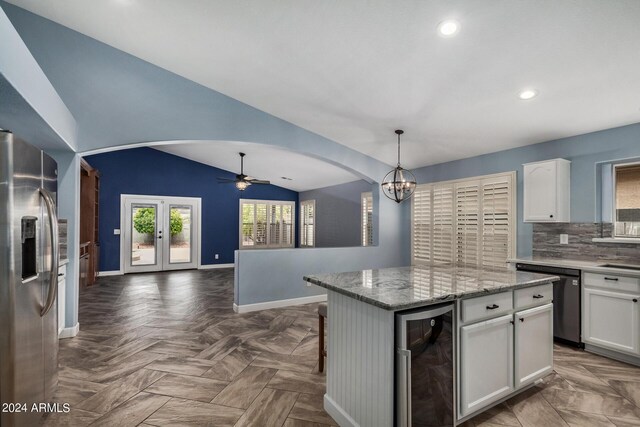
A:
(159, 233)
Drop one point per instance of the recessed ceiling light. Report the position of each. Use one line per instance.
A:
(528, 94)
(448, 28)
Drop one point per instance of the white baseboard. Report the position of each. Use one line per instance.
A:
(211, 266)
(69, 332)
(245, 308)
(110, 273)
(337, 413)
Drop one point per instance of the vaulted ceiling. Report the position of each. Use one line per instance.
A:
(353, 71)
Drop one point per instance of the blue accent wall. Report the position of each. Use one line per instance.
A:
(152, 172)
(337, 216)
(585, 152)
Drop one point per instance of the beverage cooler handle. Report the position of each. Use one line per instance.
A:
(53, 226)
(406, 355)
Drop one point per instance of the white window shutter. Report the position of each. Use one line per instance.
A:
(442, 224)
(307, 223)
(266, 224)
(422, 226)
(367, 219)
(468, 221)
(497, 221)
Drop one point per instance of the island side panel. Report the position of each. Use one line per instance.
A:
(360, 363)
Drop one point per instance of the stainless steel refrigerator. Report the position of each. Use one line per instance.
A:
(28, 280)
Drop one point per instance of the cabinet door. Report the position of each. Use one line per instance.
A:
(611, 320)
(534, 344)
(540, 186)
(486, 363)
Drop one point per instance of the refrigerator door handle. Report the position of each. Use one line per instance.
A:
(406, 355)
(53, 226)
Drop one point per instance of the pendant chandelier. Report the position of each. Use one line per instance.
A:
(399, 184)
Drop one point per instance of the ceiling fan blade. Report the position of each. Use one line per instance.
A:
(226, 180)
(259, 181)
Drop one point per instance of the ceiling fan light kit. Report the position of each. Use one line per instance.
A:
(399, 184)
(242, 181)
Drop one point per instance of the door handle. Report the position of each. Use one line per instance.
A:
(406, 355)
(492, 307)
(53, 226)
(538, 296)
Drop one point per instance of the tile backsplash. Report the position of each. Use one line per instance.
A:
(546, 243)
(62, 239)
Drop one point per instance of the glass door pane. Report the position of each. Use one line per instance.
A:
(180, 230)
(144, 224)
(430, 341)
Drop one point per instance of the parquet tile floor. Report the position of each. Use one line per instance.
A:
(166, 349)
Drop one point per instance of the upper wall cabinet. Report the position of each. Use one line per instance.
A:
(546, 191)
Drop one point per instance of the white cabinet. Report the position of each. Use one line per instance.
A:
(547, 191)
(62, 274)
(486, 363)
(507, 352)
(610, 319)
(533, 344)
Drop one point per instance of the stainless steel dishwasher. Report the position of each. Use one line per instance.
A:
(425, 367)
(566, 302)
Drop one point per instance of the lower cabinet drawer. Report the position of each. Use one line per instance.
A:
(535, 295)
(486, 306)
(612, 281)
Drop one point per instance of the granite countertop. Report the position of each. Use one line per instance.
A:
(402, 288)
(592, 266)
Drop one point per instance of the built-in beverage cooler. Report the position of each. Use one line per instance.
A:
(425, 367)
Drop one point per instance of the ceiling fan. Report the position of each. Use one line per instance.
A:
(242, 181)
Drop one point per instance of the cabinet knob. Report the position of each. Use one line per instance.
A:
(60, 274)
(550, 216)
(522, 319)
(492, 307)
(538, 296)
(635, 300)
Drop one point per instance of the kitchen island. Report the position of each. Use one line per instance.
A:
(489, 332)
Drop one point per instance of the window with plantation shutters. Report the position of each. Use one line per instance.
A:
(469, 221)
(367, 219)
(307, 223)
(266, 224)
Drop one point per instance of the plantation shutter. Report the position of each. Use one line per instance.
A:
(470, 221)
(307, 223)
(421, 219)
(261, 225)
(467, 222)
(266, 224)
(275, 224)
(367, 219)
(288, 238)
(442, 249)
(497, 221)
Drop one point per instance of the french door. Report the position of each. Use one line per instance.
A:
(160, 233)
